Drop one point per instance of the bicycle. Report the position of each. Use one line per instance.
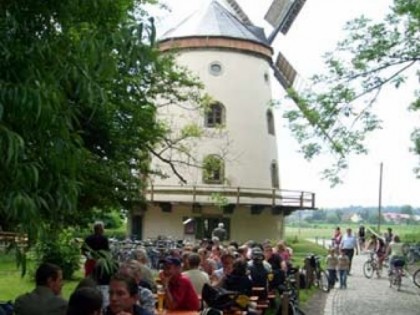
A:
(371, 266)
(413, 254)
(416, 278)
(320, 277)
(396, 273)
(290, 289)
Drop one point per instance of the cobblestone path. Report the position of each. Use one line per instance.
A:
(372, 296)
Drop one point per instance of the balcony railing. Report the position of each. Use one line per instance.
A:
(231, 195)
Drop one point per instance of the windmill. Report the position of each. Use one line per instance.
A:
(233, 58)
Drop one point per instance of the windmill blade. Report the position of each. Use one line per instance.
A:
(284, 71)
(281, 15)
(234, 5)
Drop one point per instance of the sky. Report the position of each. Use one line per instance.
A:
(316, 31)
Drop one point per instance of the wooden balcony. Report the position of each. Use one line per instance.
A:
(282, 199)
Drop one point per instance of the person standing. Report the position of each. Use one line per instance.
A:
(332, 262)
(343, 265)
(220, 232)
(336, 239)
(362, 237)
(45, 299)
(96, 241)
(349, 246)
(389, 236)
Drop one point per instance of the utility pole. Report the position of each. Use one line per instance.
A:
(380, 197)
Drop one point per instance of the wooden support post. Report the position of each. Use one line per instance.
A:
(285, 303)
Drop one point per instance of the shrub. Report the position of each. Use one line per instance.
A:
(59, 248)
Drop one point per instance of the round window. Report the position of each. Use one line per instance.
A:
(215, 68)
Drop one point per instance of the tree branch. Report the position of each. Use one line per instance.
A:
(169, 162)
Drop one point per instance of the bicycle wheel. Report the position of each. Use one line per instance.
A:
(411, 258)
(398, 281)
(368, 269)
(416, 278)
(323, 282)
(391, 280)
(298, 311)
(405, 248)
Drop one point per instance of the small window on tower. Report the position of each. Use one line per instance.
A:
(216, 68)
(270, 123)
(215, 115)
(213, 169)
(275, 183)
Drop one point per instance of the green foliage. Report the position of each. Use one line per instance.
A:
(213, 167)
(337, 114)
(78, 86)
(219, 200)
(60, 248)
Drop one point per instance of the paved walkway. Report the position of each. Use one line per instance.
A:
(372, 296)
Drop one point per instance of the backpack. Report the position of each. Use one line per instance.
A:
(259, 275)
(218, 298)
(6, 308)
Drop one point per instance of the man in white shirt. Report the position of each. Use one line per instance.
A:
(197, 277)
(349, 246)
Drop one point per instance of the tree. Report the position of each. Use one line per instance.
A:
(78, 85)
(407, 209)
(337, 114)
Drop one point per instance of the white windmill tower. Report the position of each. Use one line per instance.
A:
(238, 183)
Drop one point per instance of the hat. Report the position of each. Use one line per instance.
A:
(171, 260)
(257, 252)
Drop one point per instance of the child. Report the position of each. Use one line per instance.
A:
(343, 269)
(331, 267)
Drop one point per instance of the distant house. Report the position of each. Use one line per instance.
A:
(356, 218)
(396, 217)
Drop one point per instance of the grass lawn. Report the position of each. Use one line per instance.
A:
(12, 284)
(408, 233)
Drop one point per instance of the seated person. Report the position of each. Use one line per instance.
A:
(197, 277)
(123, 297)
(146, 273)
(227, 260)
(179, 291)
(45, 299)
(259, 270)
(377, 244)
(278, 266)
(146, 298)
(206, 264)
(85, 301)
(238, 279)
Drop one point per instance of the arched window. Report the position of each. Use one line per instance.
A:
(213, 169)
(270, 122)
(215, 115)
(274, 175)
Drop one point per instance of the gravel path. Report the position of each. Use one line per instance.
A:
(372, 296)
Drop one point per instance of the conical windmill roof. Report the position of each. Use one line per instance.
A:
(214, 20)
